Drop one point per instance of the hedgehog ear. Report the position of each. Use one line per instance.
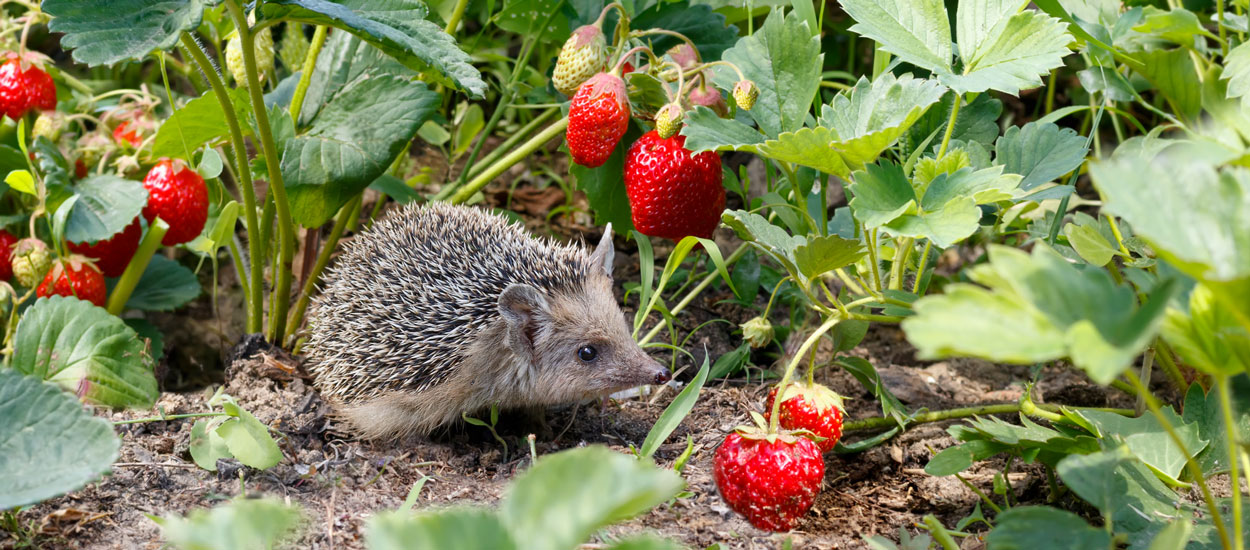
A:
(605, 252)
(522, 308)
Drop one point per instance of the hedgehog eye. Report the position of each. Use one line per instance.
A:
(587, 353)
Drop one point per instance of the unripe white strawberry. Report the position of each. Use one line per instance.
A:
(745, 93)
(264, 56)
(584, 54)
(49, 125)
(668, 120)
(31, 260)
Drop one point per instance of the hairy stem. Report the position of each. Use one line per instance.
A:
(286, 238)
(950, 127)
(306, 70)
(811, 340)
(256, 254)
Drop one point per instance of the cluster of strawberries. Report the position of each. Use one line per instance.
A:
(771, 472)
(175, 193)
(672, 192)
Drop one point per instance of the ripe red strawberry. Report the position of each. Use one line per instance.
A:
(80, 168)
(177, 194)
(74, 276)
(598, 117)
(113, 254)
(814, 408)
(24, 87)
(7, 240)
(583, 54)
(672, 193)
(772, 480)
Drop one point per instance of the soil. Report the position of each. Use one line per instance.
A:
(341, 482)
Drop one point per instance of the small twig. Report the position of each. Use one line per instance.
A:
(161, 464)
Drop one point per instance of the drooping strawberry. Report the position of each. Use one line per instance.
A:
(745, 93)
(709, 97)
(74, 276)
(24, 87)
(598, 117)
(814, 408)
(125, 134)
(113, 254)
(771, 479)
(177, 194)
(583, 55)
(673, 193)
(7, 240)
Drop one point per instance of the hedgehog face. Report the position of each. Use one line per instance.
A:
(576, 344)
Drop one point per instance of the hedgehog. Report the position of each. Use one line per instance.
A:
(441, 310)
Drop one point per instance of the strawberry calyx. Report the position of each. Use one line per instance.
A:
(820, 396)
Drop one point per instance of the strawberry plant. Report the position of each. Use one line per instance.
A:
(1060, 185)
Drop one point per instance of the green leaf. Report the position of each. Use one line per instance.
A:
(1147, 440)
(705, 131)
(49, 445)
(783, 59)
(946, 225)
(340, 156)
(756, 229)
(1014, 55)
(21, 181)
(342, 60)
(1173, 537)
(1039, 152)
(395, 188)
(397, 27)
(1089, 244)
(821, 254)
(731, 362)
(873, 115)
(1202, 408)
(106, 205)
(201, 121)
(1030, 527)
(1138, 504)
(454, 528)
(918, 32)
(1237, 72)
(164, 286)
(605, 186)
(1108, 81)
(704, 27)
(593, 487)
(106, 33)
(807, 147)
(206, 446)
(979, 23)
(1177, 25)
(674, 413)
(1196, 218)
(521, 17)
(248, 439)
(1038, 308)
(243, 523)
(645, 542)
(1209, 337)
(1172, 73)
(983, 186)
(85, 350)
(882, 194)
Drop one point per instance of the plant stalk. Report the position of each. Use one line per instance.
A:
(878, 423)
(134, 271)
(282, 270)
(775, 418)
(256, 254)
(306, 70)
(1195, 471)
(1230, 432)
(512, 140)
(526, 149)
(950, 127)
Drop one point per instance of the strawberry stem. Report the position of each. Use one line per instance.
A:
(811, 340)
(134, 271)
(620, 62)
(603, 15)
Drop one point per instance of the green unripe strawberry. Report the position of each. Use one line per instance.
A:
(583, 55)
(757, 332)
(50, 124)
(294, 47)
(745, 93)
(668, 120)
(264, 56)
(31, 260)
